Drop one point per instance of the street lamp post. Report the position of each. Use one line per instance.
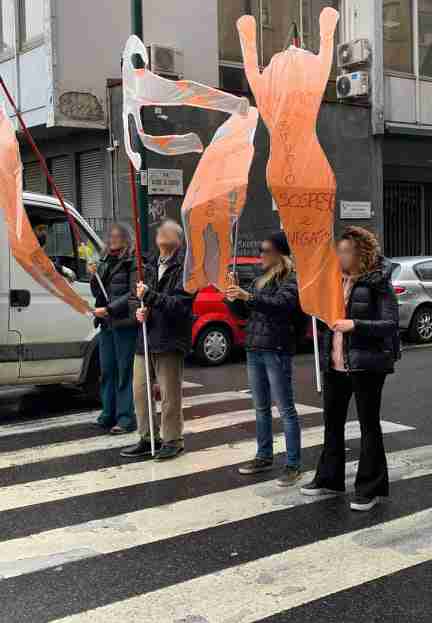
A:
(142, 195)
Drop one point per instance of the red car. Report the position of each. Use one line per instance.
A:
(216, 331)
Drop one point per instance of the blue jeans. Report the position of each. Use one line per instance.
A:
(270, 376)
(117, 353)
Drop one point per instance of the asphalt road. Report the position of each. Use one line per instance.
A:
(86, 537)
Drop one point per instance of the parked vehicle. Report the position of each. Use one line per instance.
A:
(216, 331)
(412, 282)
(43, 341)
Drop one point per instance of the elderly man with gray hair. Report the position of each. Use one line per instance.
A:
(168, 313)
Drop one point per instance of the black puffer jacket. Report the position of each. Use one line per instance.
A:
(270, 316)
(116, 275)
(374, 345)
(170, 322)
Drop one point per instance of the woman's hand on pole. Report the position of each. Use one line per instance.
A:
(101, 312)
(234, 293)
(344, 326)
(92, 268)
(142, 314)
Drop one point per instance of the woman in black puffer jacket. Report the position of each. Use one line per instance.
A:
(357, 356)
(118, 334)
(271, 309)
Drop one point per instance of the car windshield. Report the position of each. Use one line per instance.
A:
(396, 271)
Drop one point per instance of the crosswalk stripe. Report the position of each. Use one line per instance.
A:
(67, 421)
(280, 582)
(83, 541)
(190, 385)
(112, 478)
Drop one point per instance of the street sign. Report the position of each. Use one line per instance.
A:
(165, 182)
(356, 210)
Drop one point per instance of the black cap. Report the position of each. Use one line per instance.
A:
(280, 243)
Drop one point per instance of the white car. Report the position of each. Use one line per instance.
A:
(43, 341)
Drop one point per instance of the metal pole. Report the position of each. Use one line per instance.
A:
(137, 28)
(316, 351)
(102, 287)
(138, 255)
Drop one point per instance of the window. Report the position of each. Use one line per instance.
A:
(398, 36)
(31, 17)
(60, 246)
(424, 271)
(34, 179)
(229, 12)
(425, 37)
(61, 168)
(7, 27)
(276, 25)
(91, 184)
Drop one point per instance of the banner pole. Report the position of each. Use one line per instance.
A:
(138, 254)
(316, 353)
(42, 161)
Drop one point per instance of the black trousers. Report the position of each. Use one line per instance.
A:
(372, 474)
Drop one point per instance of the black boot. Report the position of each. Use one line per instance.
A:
(141, 450)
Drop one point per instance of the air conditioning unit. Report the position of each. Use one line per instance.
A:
(353, 85)
(357, 52)
(166, 61)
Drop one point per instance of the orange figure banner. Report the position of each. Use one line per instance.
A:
(288, 94)
(23, 242)
(215, 200)
(141, 87)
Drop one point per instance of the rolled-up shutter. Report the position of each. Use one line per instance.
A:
(34, 179)
(91, 193)
(62, 172)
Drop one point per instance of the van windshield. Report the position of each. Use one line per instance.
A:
(55, 236)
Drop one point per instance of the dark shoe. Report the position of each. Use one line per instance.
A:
(313, 489)
(140, 450)
(168, 452)
(104, 425)
(257, 466)
(289, 477)
(364, 504)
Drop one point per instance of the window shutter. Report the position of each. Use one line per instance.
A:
(61, 170)
(34, 179)
(91, 195)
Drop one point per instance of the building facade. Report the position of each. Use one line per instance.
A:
(62, 61)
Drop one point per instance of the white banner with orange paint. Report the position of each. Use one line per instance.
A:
(215, 200)
(22, 241)
(141, 87)
(288, 94)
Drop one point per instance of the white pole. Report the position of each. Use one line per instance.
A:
(102, 287)
(316, 351)
(149, 387)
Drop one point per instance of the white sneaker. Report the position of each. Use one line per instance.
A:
(364, 504)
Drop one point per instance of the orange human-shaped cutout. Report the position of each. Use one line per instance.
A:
(288, 94)
(215, 200)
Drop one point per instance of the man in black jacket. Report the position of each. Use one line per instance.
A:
(168, 313)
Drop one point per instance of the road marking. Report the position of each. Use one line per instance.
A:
(130, 474)
(105, 536)
(213, 421)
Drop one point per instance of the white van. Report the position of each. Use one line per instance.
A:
(43, 341)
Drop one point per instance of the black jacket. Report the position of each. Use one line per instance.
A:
(116, 275)
(170, 322)
(374, 345)
(270, 316)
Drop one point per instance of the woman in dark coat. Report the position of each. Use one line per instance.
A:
(118, 333)
(271, 308)
(358, 355)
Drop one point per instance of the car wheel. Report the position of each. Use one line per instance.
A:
(421, 326)
(214, 346)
